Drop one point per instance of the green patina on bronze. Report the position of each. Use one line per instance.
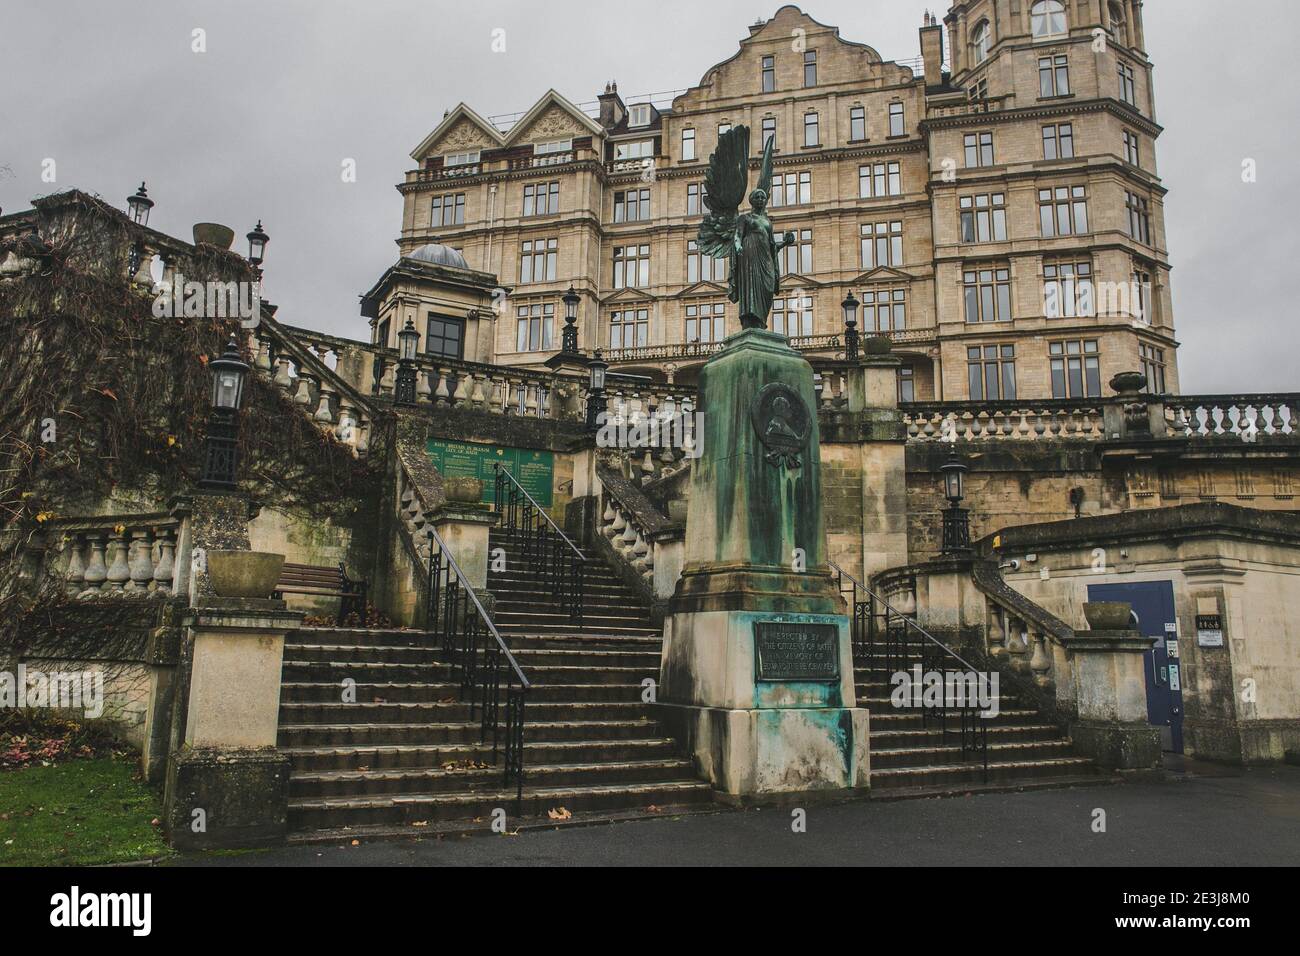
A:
(751, 509)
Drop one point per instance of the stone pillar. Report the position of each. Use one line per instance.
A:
(463, 527)
(884, 464)
(756, 677)
(211, 521)
(1111, 696)
(227, 785)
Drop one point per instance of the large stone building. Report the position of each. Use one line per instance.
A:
(1001, 220)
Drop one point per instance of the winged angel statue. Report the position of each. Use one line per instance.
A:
(744, 237)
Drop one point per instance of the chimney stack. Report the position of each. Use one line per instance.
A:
(932, 50)
(612, 109)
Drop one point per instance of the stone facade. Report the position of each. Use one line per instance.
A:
(627, 178)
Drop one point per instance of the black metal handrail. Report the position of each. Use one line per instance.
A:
(542, 544)
(479, 658)
(935, 656)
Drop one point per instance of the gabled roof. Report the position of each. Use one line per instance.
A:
(629, 295)
(551, 98)
(461, 112)
(793, 281)
(704, 287)
(881, 274)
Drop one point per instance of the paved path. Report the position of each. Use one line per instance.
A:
(1205, 817)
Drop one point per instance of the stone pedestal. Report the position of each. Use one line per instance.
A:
(1110, 688)
(227, 785)
(757, 672)
(464, 528)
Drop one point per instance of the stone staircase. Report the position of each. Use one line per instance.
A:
(907, 756)
(407, 752)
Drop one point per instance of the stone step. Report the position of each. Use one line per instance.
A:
(899, 739)
(386, 692)
(361, 653)
(417, 756)
(435, 712)
(528, 627)
(356, 734)
(651, 643)
(587, 657)
(362, 672)
(972, 772)
(883, 758)
(914, 720)
(357, 635)
(351, 783)
(408, 809)
(599, 620)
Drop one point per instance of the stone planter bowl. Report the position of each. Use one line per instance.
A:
(1108, 615)
(213, 234)
(244, 574)
(463, 490)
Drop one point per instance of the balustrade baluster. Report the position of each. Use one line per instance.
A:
(76, 573)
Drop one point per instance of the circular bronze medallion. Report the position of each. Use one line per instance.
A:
(782, 422)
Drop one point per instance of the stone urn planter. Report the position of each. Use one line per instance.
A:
(244, 574)
(1108, 615)
(463, 490)
(213, 234)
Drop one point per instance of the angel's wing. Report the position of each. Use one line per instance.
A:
(725, 183)
(765, 171)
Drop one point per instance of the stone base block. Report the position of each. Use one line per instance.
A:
(1115, 746)
(761, 754)
(226, 799)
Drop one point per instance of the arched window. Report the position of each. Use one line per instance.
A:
(1048, 19)
(1118, 24)
(980, 40)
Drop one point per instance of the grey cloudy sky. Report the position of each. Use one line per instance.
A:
(259, 125)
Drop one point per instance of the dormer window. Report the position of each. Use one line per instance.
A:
(639, 115)
(1047, 19)
(637, 149)
(980, 40)
(461, 159)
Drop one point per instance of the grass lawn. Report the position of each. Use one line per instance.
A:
(78, 812)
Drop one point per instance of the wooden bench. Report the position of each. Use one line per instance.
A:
(324, 582)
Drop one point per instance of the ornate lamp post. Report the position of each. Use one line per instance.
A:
(257, 240)
(956, 519)
(220, 458)
(596, 402)
(569, 338)
(407, 340)
(851, 339)
(139, 206)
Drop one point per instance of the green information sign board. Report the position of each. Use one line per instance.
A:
(534, 470)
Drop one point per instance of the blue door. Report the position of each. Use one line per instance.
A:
(1153, 606)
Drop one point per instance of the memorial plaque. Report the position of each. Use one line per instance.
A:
(797, 651)
(534, 470)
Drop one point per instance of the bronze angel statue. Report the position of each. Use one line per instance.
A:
(744, 237)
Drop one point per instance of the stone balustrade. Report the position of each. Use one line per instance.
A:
(1245, 417)
(302, 365)
(121, 555)
(1003, 421)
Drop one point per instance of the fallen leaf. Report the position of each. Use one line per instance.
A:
(356, 843)
(559, 814)
(420, 823)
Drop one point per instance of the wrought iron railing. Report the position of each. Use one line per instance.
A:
(480, 660)
(902, 643)
(542, 545)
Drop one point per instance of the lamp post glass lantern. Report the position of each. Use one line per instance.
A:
(257, 240)
(139, 206)
(596, 404)
(408, 340)
(220, 459)
(956, 519)
(850, 306)
(569, 342)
